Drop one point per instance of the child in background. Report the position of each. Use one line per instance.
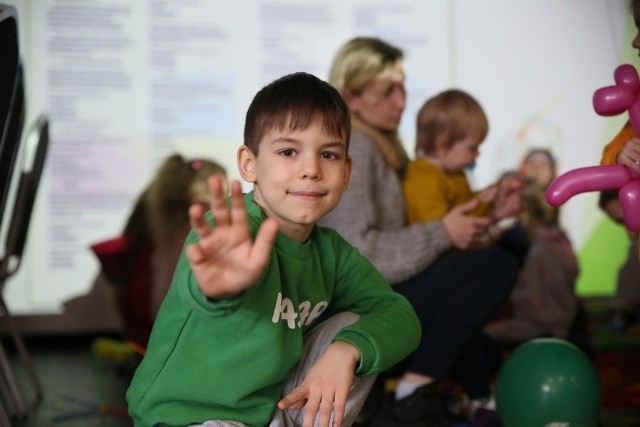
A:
(233, 343)
(543, 302)
(139, 264)
(627, 287)
(539, 166)
(624, 149)
(450, 128)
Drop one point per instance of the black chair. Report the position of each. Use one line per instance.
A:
(34, 154)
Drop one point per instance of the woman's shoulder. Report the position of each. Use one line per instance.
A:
(361, 142)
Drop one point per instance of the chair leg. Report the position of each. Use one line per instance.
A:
(4, 418)
(10, 387)
(22, 351)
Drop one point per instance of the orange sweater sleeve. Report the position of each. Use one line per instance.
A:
(612, 149)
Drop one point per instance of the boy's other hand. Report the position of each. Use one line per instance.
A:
(465, 231)
(326, 387)
(225, 261)
(629, 156)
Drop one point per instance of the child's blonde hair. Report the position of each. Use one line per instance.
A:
(447, 118)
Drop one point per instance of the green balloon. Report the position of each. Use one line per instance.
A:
(548, 382)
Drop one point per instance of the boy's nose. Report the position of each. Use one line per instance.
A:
(310, 168)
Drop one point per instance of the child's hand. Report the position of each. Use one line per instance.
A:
(629, 156)
(326, 387)
(465, 231)
(510, 198)
(225, 261)
(488, 195)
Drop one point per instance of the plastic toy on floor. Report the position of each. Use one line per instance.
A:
(548, 382)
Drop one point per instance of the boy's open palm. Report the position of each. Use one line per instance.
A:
(225, 261)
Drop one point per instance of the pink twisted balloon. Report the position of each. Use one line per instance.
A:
(608, 101)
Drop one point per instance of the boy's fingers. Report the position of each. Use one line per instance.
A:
(198, 222)
(264, 239)
(294, 400)
(194, 254)
(238, 210)
(217, 203)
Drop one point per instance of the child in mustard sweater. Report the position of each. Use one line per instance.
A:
(451, 126)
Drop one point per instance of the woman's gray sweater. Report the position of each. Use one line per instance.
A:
(371, 216)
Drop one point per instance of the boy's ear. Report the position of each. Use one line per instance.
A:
(246, 164)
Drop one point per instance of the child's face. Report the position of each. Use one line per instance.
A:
(381, 103)
(538, 168)
(299, 176)
(460, 155)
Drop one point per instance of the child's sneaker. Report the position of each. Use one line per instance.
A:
(424, 407)
(483, 417)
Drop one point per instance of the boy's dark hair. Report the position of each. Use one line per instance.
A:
(296, 101)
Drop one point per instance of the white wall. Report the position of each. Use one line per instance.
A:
(125, 83)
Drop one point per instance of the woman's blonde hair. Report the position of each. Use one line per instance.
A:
(359, 61)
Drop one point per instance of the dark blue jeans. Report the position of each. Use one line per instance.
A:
(454, 298)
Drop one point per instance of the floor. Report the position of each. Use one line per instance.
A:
(85, 378)
(81, 388)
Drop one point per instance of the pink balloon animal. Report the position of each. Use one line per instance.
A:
(608, 101)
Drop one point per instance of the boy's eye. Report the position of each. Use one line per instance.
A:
(330, 156)
(287, 152)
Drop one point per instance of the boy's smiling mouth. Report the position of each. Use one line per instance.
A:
(307, 195)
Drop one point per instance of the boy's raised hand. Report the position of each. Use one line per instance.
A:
(225, 261)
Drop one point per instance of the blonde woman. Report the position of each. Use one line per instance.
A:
(454, 295)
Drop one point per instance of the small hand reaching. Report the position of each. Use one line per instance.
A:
(225, 261)
(629, 156)
(510, 198)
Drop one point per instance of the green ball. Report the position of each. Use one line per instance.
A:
(548, 382)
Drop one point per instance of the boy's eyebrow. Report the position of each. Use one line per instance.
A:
(289, 140)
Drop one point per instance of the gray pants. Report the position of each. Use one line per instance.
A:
(316, 342)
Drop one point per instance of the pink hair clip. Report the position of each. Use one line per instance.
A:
(196, 164)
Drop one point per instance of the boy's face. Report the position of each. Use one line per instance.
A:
(298, 176)
(460, 155)
(381, 103)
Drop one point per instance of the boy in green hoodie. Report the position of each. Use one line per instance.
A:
(235, 342)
